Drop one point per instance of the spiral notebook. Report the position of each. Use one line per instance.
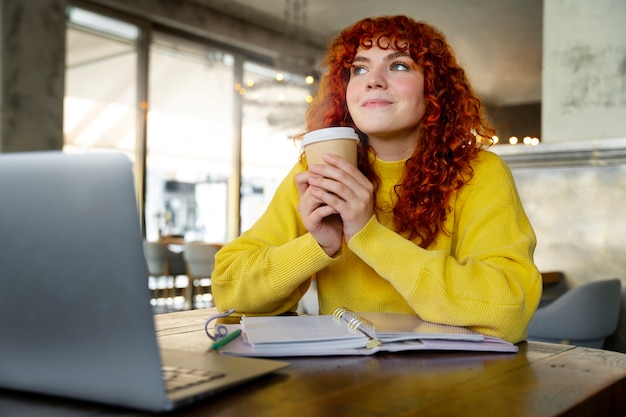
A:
(349, 333)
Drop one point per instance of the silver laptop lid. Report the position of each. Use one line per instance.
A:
(75, 317)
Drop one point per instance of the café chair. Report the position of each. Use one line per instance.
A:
(554, 286)
(164, 266)
(200, 261)
(584, 315)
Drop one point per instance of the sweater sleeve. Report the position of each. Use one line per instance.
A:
(268, 268)
(484, 276)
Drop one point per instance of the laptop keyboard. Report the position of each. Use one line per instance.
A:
(177, 378)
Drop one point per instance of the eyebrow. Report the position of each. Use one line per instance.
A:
(389, 57)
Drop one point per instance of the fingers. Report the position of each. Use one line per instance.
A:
(334, 185)
(312, 209)
(332, 160)
(318, 219)
(343, 187)
(302, 182)
(340, 170)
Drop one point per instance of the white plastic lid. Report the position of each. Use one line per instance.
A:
(329, 133)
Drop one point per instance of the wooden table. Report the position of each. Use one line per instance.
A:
(540, 380)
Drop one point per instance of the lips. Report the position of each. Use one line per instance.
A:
(375, 102)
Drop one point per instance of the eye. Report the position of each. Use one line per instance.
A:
(399, 66)
(358, 70)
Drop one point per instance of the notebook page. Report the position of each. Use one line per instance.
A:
(395, 327)
(298, 329)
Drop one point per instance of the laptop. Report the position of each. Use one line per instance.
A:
(75, 313)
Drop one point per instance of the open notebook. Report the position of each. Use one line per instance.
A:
(75, 314)
(348, 333)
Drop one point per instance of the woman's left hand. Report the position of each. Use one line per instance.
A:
(343, 187)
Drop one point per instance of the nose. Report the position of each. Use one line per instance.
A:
(376, 79)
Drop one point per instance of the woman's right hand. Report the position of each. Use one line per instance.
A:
(319, 219)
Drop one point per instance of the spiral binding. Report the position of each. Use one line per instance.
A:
(356, 323)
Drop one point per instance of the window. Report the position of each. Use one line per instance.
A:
(274, 105)
(190, 134)
(100, 84)
(215, 122)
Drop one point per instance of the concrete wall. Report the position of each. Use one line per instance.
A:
(575, 193)
(575, 197)
(579, 215)
(32, 74)
(584, 70)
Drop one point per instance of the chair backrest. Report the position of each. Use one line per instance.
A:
(157, 258)
(585, 315)
(161, 260)
(200, 259)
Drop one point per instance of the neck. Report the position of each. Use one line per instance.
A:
(388, 149)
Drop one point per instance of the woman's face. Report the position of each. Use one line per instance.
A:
(385, 94)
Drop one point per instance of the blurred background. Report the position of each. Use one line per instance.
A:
(205, 97)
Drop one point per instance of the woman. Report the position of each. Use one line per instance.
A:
(430, 223)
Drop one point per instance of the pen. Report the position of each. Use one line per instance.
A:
(226, 339)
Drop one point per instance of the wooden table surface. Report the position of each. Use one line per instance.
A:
(540, 380)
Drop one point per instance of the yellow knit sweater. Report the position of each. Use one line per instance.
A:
(479, 276)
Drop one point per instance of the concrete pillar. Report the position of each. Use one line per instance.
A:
(32, 73)
(584, 70)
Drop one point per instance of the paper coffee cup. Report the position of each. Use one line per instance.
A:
(341, 141)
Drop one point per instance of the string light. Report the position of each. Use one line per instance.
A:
(240, 89)
(514, 140)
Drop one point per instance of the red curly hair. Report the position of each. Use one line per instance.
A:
(453, 127)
